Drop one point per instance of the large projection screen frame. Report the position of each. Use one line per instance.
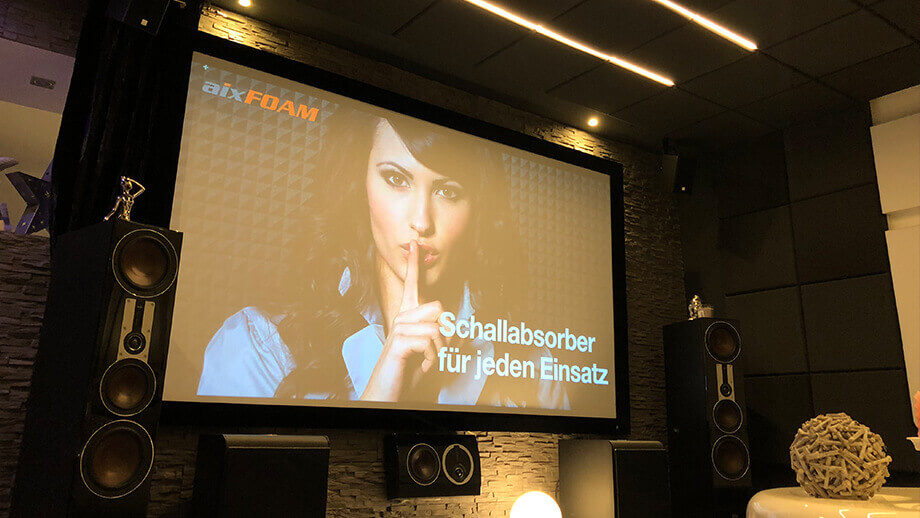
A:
(272, 415)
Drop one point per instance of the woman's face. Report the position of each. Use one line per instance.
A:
(410, 202)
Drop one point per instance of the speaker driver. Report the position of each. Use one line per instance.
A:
(127, 387)
(730, 457)
(727, 416)
(117, 459)
(723, 342)
(145, 263)
(423, 464)
(458, 464)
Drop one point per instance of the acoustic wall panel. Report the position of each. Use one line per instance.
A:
(852, 324)
(757, 251)
(774, 337)
(896, 147)
(829, 154)
(840, 235)
(753, 177)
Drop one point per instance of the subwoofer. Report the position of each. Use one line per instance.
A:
(431, 465)
(88, 443)
(707, 430)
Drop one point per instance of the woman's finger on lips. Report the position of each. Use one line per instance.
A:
(428, 312)
(410, 286)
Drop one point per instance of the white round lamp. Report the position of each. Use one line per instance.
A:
(535, 504)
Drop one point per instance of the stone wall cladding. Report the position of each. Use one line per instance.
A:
(512, 462)
(24, 276)
(45, 24)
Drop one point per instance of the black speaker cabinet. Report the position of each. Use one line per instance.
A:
(146, 15)
(261, 476)
(431, 465)
(707, 425)
(88, 443)
(613, 479)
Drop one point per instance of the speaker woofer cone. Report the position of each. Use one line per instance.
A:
(116, 459)
(727, 416)
(730, 457)
(127, 387)
(423, 464)
(145, 263)
(723, 342)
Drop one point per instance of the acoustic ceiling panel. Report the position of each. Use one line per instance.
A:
(687, 53)
(721, 130)
(542, 11)
(742, 82)
(891, 72)
(617, 27)
(382, 15)
(669, 110)
(770, 22)
(535, 63)
(796, 105)
(607, 89)
(459, 34)
(839, 44)
(905, 14)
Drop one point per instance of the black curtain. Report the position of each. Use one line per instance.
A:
(123, 117)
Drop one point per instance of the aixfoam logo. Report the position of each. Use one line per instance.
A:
(265, 101)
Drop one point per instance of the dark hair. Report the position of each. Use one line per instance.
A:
(317, 323)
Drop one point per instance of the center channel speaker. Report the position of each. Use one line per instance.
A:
(707, 429)
(88, 443)
(431, 465)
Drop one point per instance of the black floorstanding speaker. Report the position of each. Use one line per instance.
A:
(707, 426)
(613, 479)
(431, 465)
(261, 476)
(88, 443)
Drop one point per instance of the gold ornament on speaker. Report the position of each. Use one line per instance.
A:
(835, 456)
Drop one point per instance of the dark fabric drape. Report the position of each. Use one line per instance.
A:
(123, 117)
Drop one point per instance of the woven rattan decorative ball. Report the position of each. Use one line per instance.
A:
(836, 457)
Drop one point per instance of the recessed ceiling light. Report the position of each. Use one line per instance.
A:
(709, 24)
(245, 3)
(592, 122)
(549, 33)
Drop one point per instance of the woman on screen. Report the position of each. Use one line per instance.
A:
(404, 224)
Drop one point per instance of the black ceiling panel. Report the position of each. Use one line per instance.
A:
(905, 14)
(535, 64)
(669, 110)
(457, 33)
(537, 10)
(383, 15)
(770, 22)
(745, 81)
(607, 89)
(617, 27)
(879, 76)
(687, 53)
(841, 43)
(796, 105)
(721, 130)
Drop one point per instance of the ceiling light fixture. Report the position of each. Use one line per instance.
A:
(592, 122)
(709, 24)
(245, 3)
(513, 18)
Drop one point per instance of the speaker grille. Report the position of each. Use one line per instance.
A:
(723, 342)
(116, 459)
(145, 263)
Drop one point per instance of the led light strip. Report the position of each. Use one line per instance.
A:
(708, 24)
(513, 18)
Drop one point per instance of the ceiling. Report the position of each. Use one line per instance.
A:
(814, 56)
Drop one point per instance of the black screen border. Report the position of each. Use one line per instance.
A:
(268, 415)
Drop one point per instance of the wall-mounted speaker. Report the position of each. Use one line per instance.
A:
(261, 476)
(613, 479)
(88, 443)
(707, 430)
(146, 15)
(678, 172)
(431, 465)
